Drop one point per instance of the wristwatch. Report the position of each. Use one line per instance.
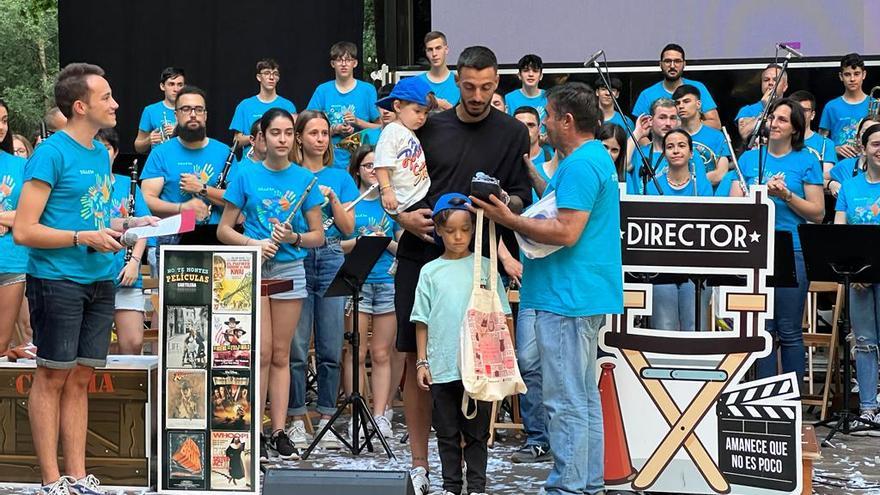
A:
(204, 192)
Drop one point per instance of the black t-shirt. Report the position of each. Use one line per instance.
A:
(455, 151)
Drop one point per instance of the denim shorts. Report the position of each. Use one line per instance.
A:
(11, 279)
(71, 321)
(129, 299)
(376, 299)
(287, 270)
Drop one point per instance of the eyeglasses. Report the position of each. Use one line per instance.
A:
(672, 61)
(270, 73)
(345, 61)
(367, 165)
(187, 110)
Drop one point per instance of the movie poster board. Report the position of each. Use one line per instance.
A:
(209, 361)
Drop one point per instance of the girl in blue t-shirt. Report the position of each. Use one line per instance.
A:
(793, 177)
(377, 294)
(13, 263)
(614, 138)
(266, 194)
(850, 167)
(859, 203)
(674, 303)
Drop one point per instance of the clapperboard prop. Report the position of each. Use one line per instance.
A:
(661, 390)
(759, 440)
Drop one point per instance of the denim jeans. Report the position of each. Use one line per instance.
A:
(864, 305)
(325, 314)
(786, 327)
(674, 307)
(567, 347)
(534, 416)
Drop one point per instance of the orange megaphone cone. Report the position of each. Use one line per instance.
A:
(618, 465)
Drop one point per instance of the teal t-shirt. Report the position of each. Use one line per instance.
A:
(634, 184)
(446, 90)
(153, 115)
(822, 147)
(585, 279)
(370, 219)
(82, 184)
(442, 297)
(697, 185)
(360, 100)
(119, 209)
(841, 119)
(622, 120)
(250, 110)
(543, 156)
(171, 158)
(516, 99)
(344, 187)
(846, 169)
(15, 257)
(657, 91)
(860, 200)
(263, 194)
(711, 145)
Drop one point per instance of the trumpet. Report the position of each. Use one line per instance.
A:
(329, 222)
(874, 101)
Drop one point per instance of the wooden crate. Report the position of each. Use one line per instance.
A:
(121, 430)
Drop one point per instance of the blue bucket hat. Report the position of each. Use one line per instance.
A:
(411, 89)
(449, 201)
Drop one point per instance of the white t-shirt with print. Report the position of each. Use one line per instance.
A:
(399, 149)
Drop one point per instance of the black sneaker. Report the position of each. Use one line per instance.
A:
(264, 453)
(531, 453)
(279, 442)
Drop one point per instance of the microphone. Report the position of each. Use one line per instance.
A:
(593, 58)
(129, 239)
(789, 49)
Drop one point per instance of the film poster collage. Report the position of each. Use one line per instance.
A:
(209, 340)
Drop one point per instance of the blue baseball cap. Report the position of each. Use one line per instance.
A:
(412, 89)
(449, 201)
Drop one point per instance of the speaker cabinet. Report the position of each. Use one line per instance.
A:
(336, 482)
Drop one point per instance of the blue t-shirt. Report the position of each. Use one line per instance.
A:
(81, 182)
(846, 169)
(441, 302)
(250, 110)
(587, 278)
(544, 155)
(371, 136)
(171, 158)
(750, 111)
(244, 162)
(822, 147)
(516, 99)
(15, 257)
(361, 101)
(371, 220)
(446, 90)
(860, 200)
(841, 119)
(797, 169)
(262, 194)
(634, 183)
(722, 190)
(344, 187)
(119, 209)
(696, 186)
(151, 117)
(657, 91)
(619, 120)
(711, 145)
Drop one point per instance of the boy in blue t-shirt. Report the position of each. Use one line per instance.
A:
(439, 77)
(841, 116)
(251, 109)
(531, 71)
(606, 97)
(158, 119)
(350, 104)
(817, 144)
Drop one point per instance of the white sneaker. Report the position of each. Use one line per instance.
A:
(481, 493)
(384, 426)
(60, 487)
(443, 492)
(89, 485)
(329, 440)
(419, 477)
(297, 434)
(389, 414)
(361, 437)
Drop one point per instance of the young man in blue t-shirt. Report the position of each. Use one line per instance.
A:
(747, 117)
(817, 144)
(158, 120)
(531, 71)
(63, 216)
(572, 289)
(439, 77)
(709, 143)
(841, 116)
(251, 109)
(350, 104)
(605, 96)
(672, 64)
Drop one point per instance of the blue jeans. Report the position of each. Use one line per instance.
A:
(567, 347)
(534, 416)
(786, 327)
(864, 305)
(325, 314)
(674, 307)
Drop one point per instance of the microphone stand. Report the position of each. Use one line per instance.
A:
(647, 168)
(762, 121)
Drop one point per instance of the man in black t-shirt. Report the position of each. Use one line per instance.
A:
(469, 138)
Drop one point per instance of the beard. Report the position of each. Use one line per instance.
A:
(190, 135)
(674, 78)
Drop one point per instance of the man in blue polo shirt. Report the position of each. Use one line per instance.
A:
(251, 109)
(574, 288)
(672, 64)
(439, 77)
(747, 117)
(158, 119)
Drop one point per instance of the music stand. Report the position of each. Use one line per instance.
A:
(349, 279)
(858, 262)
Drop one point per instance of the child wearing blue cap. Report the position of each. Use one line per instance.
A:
(400, 162)
(441, 301)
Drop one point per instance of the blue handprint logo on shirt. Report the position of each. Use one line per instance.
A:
(7, 186)
(336, 113)
(95, 203)
(277, 206)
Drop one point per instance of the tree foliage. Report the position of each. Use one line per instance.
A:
(28, 60)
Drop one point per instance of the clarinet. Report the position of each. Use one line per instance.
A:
(132, 191)
(224, 172)
(44, 130)
(299, 202)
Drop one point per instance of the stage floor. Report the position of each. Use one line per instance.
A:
(853, 466)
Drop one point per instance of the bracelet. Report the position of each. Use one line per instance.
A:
(76, 238)
(298, 240)
(136, 259)
(789, 197)
(247, 241)
(423, 363)
(179, 206)
(386, 186)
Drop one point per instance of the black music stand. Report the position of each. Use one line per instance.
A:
(858, 261)
(351, 276)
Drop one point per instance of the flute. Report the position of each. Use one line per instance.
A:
(299, 202)
(163, 134)
(132, 191)
(329, 222)
(739, 174)
(224, 172)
